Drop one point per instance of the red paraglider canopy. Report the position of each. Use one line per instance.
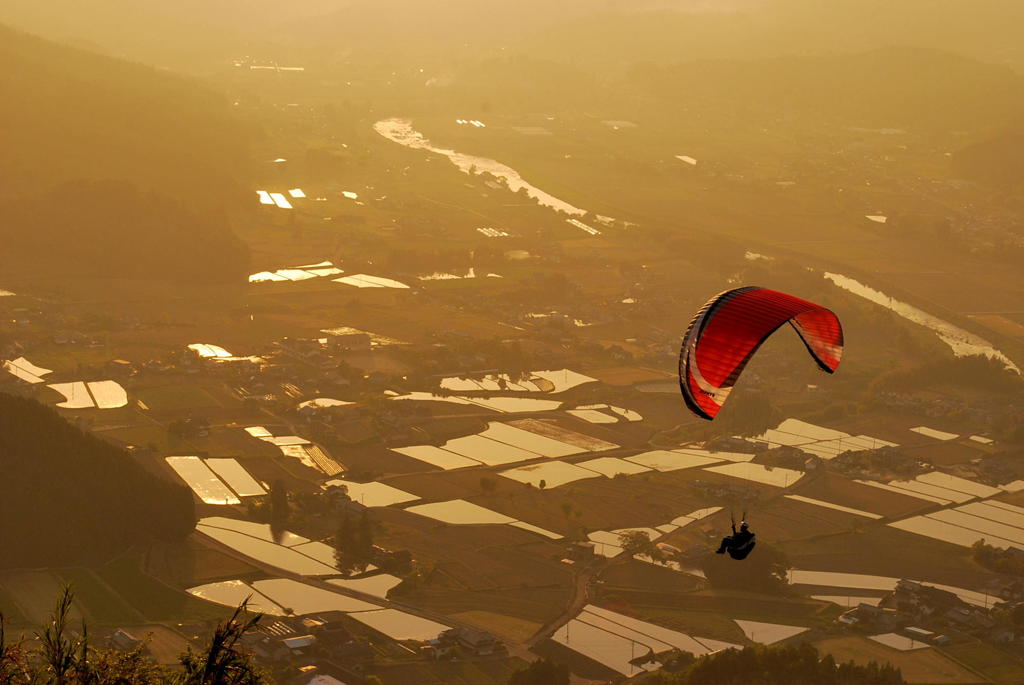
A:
(727, 331)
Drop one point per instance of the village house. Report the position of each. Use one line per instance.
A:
(468, 641)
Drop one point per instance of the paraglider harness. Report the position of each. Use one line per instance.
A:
(740, 543)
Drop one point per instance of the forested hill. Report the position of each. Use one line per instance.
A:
(72, 117)
(67, 497)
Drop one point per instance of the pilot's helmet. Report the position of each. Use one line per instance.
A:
(744, 526)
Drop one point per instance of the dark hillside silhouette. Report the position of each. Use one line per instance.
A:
(112, 228)
(67, 497)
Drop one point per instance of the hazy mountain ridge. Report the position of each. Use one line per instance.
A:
(606, 32)
(72, 117)
(884, 87)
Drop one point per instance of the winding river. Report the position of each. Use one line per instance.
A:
(401, 131)
(963, 343)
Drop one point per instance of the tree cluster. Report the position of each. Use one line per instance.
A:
(799, 665)
(353, 542)
(541, 672)
(998, 560)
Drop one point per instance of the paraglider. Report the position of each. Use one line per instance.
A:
(739, 544)
(727, 331)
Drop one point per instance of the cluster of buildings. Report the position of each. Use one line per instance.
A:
(934, 616)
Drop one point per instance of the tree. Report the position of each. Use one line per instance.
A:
(344, 539)
(223, 663)
(784, 666)
(353, 544)
(541, 672)
(279, 508)
(634, 542)
(364, 545)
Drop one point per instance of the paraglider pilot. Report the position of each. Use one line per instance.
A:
(739, 544)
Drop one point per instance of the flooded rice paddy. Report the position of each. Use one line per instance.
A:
(767, 633)
(374, 494)
(92, 394)
(203, 481)
(25, 370)
(616, 640)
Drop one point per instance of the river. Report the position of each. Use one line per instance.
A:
(401, 131)
(963, 343)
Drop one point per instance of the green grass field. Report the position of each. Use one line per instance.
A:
(96, 599)
(995, 664)
(177, 398)
(926, 665)
(36, 594)
(10, 611)
(450, 673)
(154, 600)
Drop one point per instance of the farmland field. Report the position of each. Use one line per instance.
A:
(647, 499)
(871, 552)
(719, 605)
(918, 666)
(995, 664)
(35, 593)
(786, 519)
(509, 627)
(163, 643)
(838, 490)
(154, 600)
(492, 672)
(176, 398)
(97, 600)
(8, 607)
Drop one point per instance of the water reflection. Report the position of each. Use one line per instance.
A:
(963, 343)
(401, 131)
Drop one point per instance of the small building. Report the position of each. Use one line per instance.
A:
(333, 632)
(298, 642)
(923, 600)
(123, 640)
(474, 641)
(970, 618)
(349, 342)
(868, 615)
(918, 634)
(265, 647)
(324, 679)
(581, 551)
